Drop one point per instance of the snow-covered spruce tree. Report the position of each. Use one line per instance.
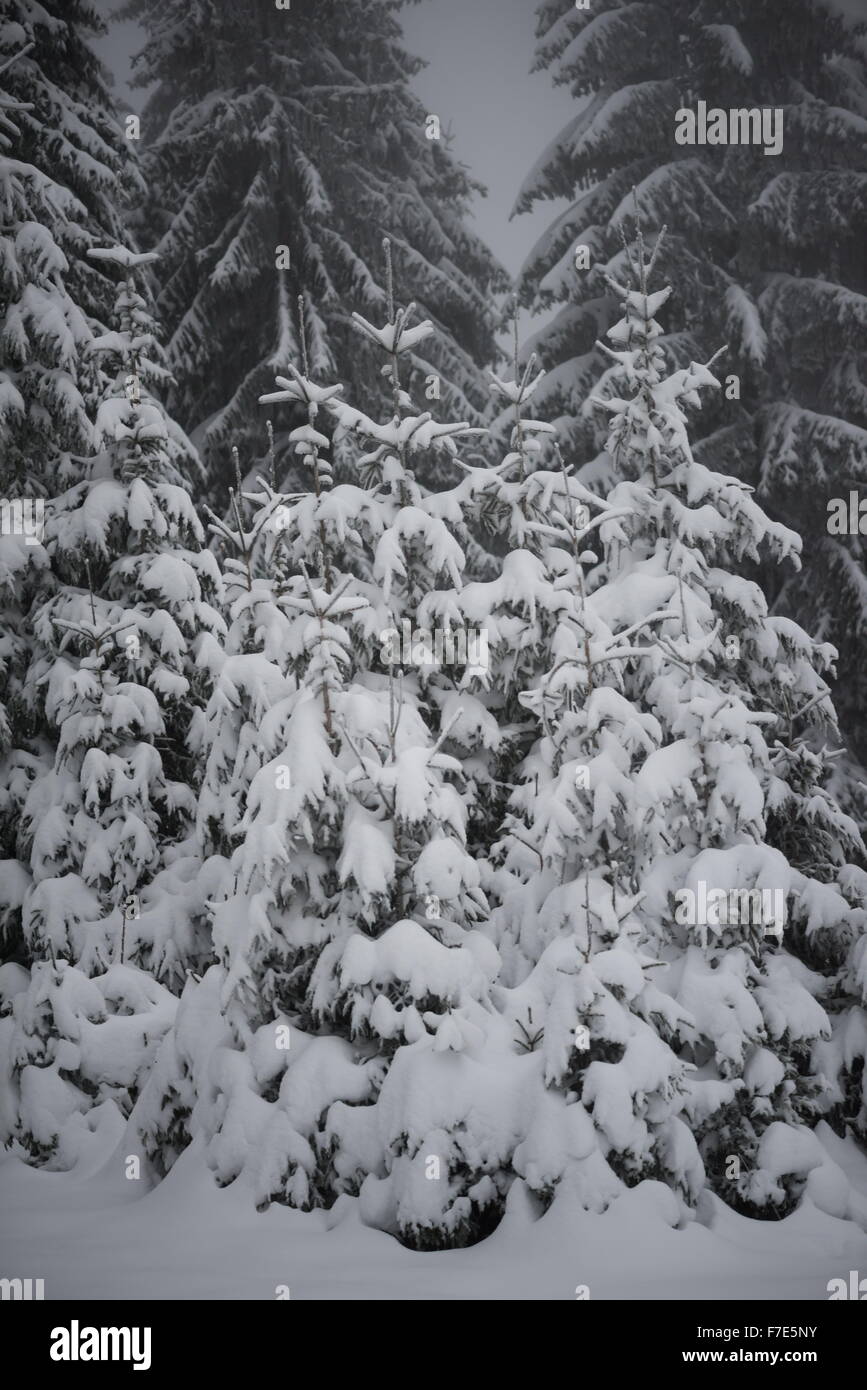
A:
(668, 777)
(123, 647)
(66, 173)
(124, 638)
(339, 1046)
(576, 987)
(63, 177)
(279, 146)
(766, 254)
(22, 558)
(74, 1053)
(249, 678)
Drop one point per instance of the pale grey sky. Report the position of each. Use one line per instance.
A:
(479, 84)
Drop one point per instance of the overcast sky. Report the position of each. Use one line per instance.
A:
(479, 84)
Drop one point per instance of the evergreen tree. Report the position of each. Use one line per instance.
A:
(279, 146)
(64, 175)
(124, 638)
(700, 1041)
(123, 643)
(766, 255)
(341, 1025)
(74, 1055)
(20, 569)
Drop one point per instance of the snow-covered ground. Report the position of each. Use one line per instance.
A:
(93, 1234)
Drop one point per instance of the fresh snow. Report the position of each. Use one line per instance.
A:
(92, 1234)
